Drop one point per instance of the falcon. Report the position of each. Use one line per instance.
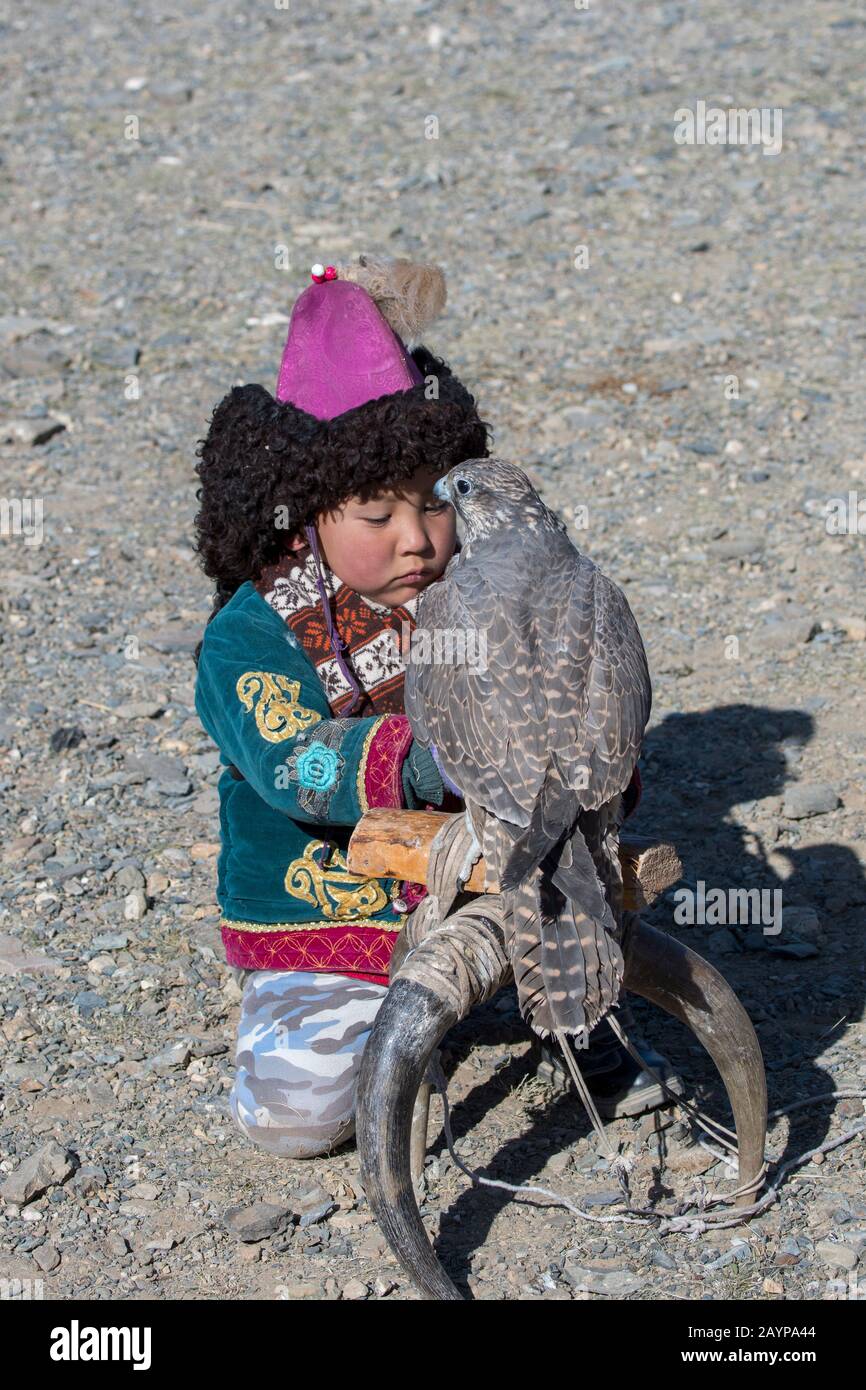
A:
(541, 737)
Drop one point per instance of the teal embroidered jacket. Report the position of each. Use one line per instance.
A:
(301, 781)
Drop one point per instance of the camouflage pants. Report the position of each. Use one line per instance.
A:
(300, 1039)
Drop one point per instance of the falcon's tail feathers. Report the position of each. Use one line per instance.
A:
(576, 876)
(553, 815)
(567, 963)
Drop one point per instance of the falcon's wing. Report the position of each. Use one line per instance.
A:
(487, 717)
(566, 676)
(597, 683)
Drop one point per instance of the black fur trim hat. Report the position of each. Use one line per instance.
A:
(270, 465)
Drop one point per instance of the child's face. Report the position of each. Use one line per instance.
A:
(391, 546)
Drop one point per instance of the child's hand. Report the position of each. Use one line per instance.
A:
(422, 779)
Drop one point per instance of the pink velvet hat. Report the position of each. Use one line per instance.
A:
(344, 346)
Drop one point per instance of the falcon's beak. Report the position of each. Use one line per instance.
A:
(441, 490)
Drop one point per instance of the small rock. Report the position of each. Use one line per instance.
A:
(136, 1209)
(356, 1290)
(309, 1199)
(803, 923)
(101, 965)
(663, 1260)
(207, 1047)
(110, 941)
(171, 93)
(314, 1215)
(690, 1161)
(299, 1290)
(729, 1257)
(45, 1168)
(27, 431)
(138, 709)
(20, 1028)
(178, 786)
(706, 447)
(792, 950)
(741, 546)
(788, 1252)
(163, 1244)
(172, 1058)
(534, 213)
(853, 627)
(650, 1124)
(257, 1222)
(87, 1002)
(135, 905)
(20, 1073)
(47, 1257)
(560, 1162)
(613, 1283)
(786, 633)
(14, 328)
(17, 849)
(158, 767)
(840, 1254)
(809, 799)
(206, 803)
(68, 736)
(143, 1192)
(89, 1178)
(129, 877)
(172, 639)
(109, 351)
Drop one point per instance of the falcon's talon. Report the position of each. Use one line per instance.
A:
(473, 854)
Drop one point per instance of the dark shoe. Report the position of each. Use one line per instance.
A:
(616, 1083)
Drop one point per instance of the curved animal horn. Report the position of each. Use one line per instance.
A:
(661, 969)
(459, 964)
(463, 962)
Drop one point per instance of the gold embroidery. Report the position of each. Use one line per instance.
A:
(278, 714)
(286, 927)
(362, 765)
(339, 894)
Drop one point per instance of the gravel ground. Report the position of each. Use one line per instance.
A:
(694, 387)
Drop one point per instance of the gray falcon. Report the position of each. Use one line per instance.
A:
(541, 737)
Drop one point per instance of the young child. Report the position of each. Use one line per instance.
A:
(319, 525)
(320, 528)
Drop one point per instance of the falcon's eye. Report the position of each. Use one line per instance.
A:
(463, 486)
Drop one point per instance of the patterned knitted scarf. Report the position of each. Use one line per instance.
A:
(369, 632)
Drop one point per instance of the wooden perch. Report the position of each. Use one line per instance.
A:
(396, 844)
